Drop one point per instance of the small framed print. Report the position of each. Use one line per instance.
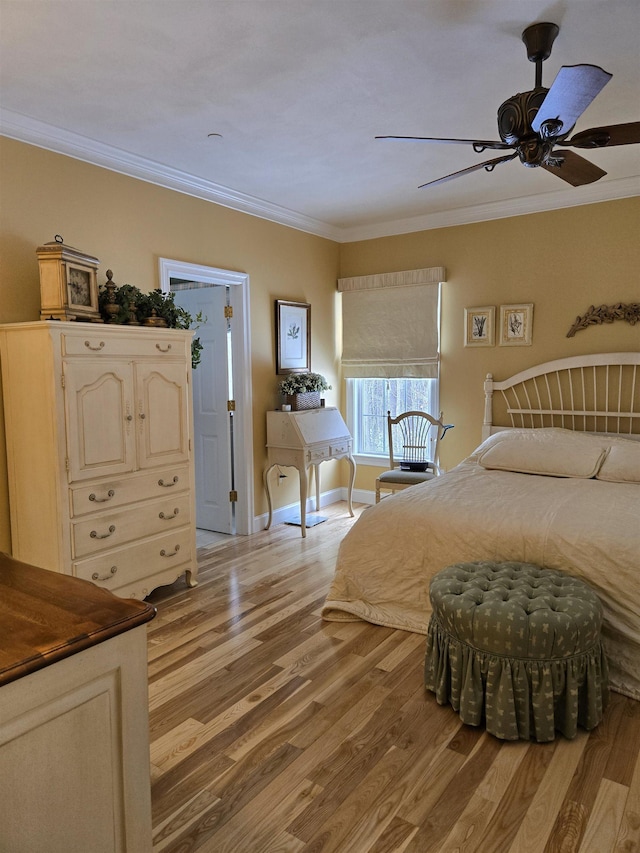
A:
(516, 323)
(293, 337)
(479, 326)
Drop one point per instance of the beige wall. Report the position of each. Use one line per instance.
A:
(128, 225)
(562, 261)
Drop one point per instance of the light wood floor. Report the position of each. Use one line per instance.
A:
(272, 730)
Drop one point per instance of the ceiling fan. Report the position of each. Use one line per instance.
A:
(535, 122)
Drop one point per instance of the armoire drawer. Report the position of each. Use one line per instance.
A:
(108, 493)
(91, 342)
(111, 529)
(125, 565)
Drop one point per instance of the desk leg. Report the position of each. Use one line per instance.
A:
(316, 474)
(303, 501)
(352, 478)
(267, 488)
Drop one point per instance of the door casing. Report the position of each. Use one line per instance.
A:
(241, 367)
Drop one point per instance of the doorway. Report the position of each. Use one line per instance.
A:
(223, 434)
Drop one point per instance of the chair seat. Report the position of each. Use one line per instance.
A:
(406, 478)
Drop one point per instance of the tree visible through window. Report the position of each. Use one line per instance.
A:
(371, 399)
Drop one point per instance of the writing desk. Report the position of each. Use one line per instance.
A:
(304, 440)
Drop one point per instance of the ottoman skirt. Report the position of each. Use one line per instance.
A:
(518, 648)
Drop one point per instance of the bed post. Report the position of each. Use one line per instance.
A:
(488, 398)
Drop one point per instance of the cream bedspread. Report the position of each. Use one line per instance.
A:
(587, 528)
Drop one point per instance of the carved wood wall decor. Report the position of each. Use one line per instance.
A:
(607, 314)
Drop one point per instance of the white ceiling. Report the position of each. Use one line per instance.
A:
(297, 90)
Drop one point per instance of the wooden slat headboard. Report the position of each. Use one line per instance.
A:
(588, 393)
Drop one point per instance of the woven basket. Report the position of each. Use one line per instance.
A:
(308, 400)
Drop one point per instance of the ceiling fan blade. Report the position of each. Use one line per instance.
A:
(599, 137)
(570, 94)
(575, 170)
(488, 165)
(479, 145)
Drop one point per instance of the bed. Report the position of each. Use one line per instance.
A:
(555, 481)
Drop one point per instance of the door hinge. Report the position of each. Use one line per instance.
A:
(66, 463)
(233, 496)
(231, 405)
(228, 311)
(62, 380)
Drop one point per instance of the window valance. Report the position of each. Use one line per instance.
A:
(391, 324)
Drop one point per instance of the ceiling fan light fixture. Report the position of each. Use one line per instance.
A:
(534, 152)
(532, 123)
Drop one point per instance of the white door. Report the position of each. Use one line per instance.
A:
(212, 422)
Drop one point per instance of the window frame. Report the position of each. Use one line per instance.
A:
(375, 460)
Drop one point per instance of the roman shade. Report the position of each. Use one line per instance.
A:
(391, 324)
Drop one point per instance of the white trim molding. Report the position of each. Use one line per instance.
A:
(241, 359)
(24, 129)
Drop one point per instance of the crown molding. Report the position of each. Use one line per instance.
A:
(43, 135)
(34, 132)
(541, 203)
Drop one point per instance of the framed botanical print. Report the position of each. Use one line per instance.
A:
(516, 322)
(479, 326)
(293, 337)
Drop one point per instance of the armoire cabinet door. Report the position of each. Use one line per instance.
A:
(99, 398)
(162, 414)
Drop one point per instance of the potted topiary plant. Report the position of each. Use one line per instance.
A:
(302, 390)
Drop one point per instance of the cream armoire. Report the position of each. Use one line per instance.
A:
(99, 449)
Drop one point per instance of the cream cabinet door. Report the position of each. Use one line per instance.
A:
(162, 414)
(99, 401)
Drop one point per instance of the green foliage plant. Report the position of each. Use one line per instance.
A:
(136, 305)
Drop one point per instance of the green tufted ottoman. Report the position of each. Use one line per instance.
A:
(519, 646)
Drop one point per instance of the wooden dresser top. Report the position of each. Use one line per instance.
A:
(46, 616)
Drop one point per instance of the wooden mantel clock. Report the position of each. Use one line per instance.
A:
(68, 283)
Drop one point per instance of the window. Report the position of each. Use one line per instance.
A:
(369, 400)
(390, 352)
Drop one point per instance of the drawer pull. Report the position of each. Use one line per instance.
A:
(94, 349)
(95, 535)
(168, 485)
(169, 517)
(164, 553)
(163, 349)
(97, 577)
(110, 494)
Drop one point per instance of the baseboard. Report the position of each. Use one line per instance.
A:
(283, 513)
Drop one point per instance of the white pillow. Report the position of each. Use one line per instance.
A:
(622, 464)
(550, 452)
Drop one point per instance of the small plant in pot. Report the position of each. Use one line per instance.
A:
(127, 304)
(302, 390)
